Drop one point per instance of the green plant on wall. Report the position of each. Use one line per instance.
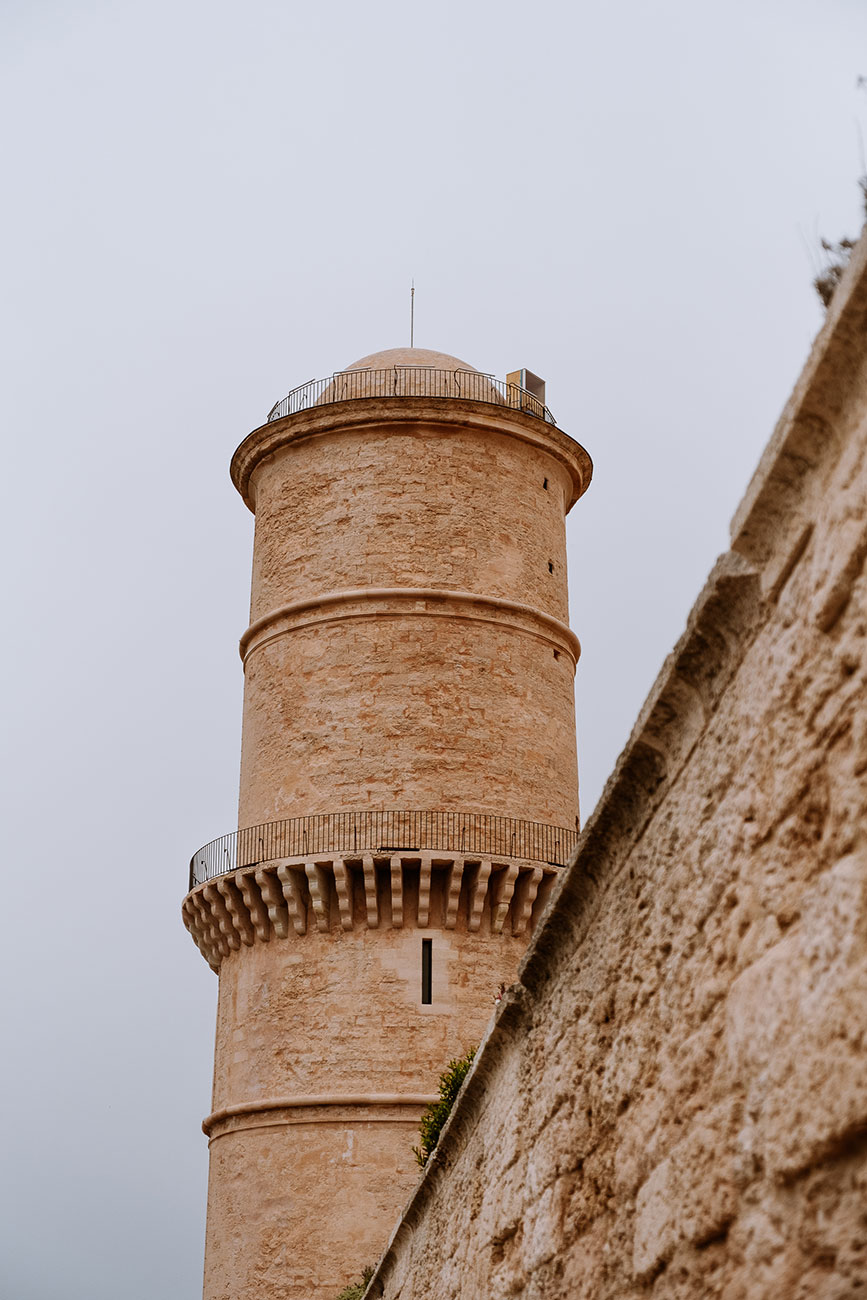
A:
(835, 256)
(435, 1116)
(356, 1290)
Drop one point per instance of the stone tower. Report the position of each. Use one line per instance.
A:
(408, 789)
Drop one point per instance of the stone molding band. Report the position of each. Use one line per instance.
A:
(274, 899)
(555, 632)
(393, 414)
(315, 1100)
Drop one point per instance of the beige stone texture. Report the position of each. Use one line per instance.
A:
(325, 1056)
(357, 995)
(408, 629)
(408, 648)
(672, 1100)
(414, 708)
(485, 896)
(379, 506)
(297, 1202)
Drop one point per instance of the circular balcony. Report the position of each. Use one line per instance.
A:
(410, 381)
(366, 870)
(385, 833)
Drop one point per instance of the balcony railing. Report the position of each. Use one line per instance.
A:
(383, 832)
(410, 381)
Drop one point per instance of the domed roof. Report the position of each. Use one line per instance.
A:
(409, 357)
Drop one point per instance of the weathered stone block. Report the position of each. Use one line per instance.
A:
(796, 1031)
(691, 1195)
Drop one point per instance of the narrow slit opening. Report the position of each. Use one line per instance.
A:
(426, 971)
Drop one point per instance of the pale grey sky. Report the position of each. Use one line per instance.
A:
(209, 203)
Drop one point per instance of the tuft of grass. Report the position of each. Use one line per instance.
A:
(356, 1290)
(836, 255)
(435, 1116)
(836, 261)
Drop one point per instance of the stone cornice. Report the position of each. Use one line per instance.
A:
(492, 895)
(315, 1101)
(390, 415)
(388, 602)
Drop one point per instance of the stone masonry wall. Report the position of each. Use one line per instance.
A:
(362, 711)
(672, 1100)
(378, 506)
(302, 1187)
(408, 645)
(324, 1012)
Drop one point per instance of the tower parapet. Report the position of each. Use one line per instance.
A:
(408, 791)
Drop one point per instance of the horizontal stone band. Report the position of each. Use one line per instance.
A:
(390, 415)
(388, 602)
(279, 897)
(325, 1099)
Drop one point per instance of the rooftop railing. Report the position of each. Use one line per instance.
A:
(410, 381)
(391, 832)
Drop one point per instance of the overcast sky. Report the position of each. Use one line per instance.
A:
(209, 203)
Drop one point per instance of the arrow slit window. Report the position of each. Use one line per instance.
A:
(426, 971)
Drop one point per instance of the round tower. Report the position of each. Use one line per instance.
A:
(409, 788)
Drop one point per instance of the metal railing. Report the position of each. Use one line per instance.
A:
(410, 381)
(383, 832)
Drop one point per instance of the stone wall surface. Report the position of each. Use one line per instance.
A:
(471, 509)
(672, 1100)
(325, 1056)
(341, 1011)
(409, 645)
(326, 1178)
(362, 712)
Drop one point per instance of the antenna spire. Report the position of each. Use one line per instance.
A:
(412, 315)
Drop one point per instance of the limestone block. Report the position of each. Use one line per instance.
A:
(293, 899)
(502, 889)
(222, 917)
(453, 892)
(797, 1028)
(236, 908)
(478, 877)
(272, 897)
(424, 885)
(691, 1195)
(543, 1224)
(370, 892)
(841, 545)
(318, 881)
(246, 883)
(396, 869)
(524, 898)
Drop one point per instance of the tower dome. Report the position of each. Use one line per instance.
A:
(410, 372)
(410, 357)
